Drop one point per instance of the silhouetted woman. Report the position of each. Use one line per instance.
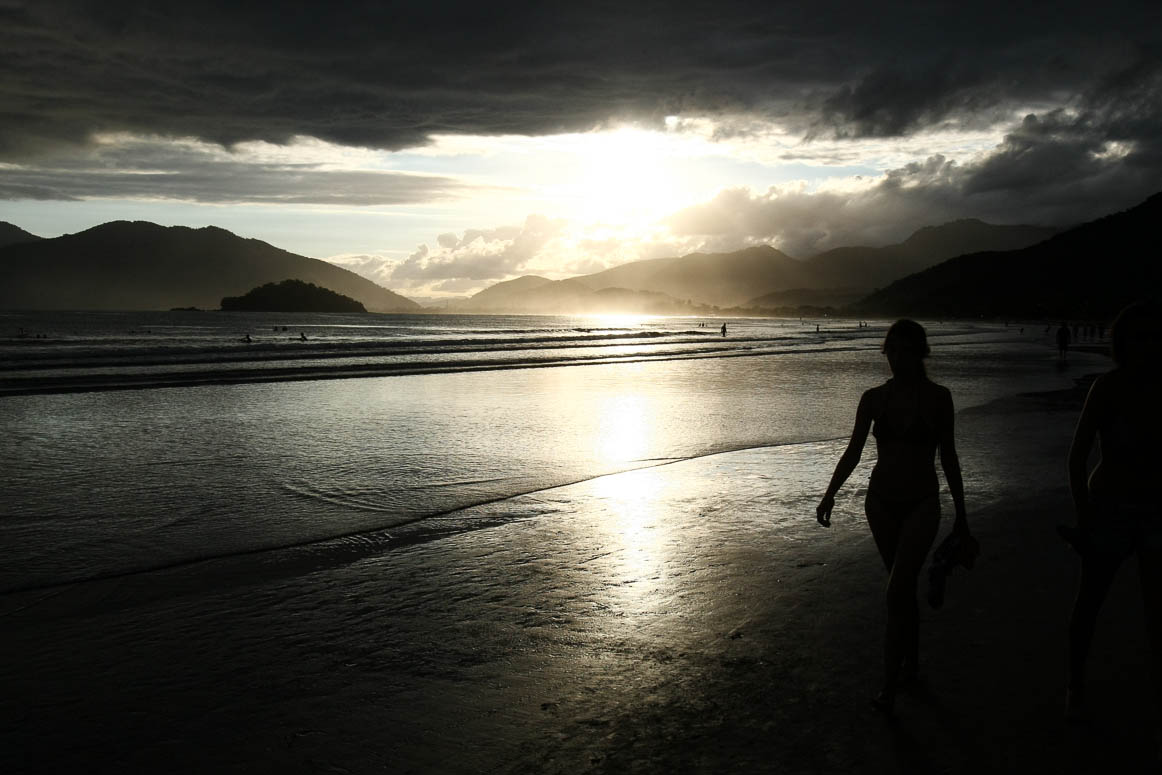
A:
(1118, 507)
(911, 418)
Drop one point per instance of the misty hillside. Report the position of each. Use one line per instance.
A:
(807, 297)
(1091, 271)
(138, 265)
(536, 295)
(504, 296)
(766, 277)
(720, 279)
(868, 268)
(14, 235)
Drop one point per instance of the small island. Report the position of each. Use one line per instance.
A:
(291, 296)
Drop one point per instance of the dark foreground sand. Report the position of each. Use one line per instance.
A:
(657, 621)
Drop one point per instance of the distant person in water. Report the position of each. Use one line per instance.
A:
(1118, 507)
(724, 329)
(911, 418)
(1063, 340)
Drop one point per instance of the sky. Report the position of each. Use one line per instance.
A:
(441, 147)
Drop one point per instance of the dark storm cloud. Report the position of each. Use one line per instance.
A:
(238, 183)
(147, 168)
(390, 74)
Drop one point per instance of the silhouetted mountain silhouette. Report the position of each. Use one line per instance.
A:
(867, 268)
(1091, 270)
(505, 295)
(14, 235)
(537, 295)
(721, 279)
(292, 296)
(140, 265)
(835, 277)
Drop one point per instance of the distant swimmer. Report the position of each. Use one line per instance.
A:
(724, 329)
(1063, 341)
(302, 336)
(246, 339)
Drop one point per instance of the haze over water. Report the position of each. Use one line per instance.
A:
(105, 483)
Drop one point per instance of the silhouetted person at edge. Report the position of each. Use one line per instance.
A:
(1063, 340)
(724, 329)
(1118, 508)
(911, 418)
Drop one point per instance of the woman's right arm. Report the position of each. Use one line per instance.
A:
(850, 458)
(1083, 438)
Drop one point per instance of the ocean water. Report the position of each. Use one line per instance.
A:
(135, 442)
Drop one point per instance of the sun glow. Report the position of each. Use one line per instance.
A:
(627, 176)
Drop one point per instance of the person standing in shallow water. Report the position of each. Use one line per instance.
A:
(911, 418)
(1063, 340)
(1118, 508)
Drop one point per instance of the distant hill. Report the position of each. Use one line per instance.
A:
(867, 268)
(808, 297)
(14, 235)
(1089, 271)
(765, 277)
(719, 279)
(536, 295)
(505, 296)
(291, 296)
(139, 265)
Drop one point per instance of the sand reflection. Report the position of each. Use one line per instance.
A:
(634, 519)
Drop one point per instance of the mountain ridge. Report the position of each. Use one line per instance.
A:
(142, 265)
(698, 283)
(1090, 270)
(11, 234)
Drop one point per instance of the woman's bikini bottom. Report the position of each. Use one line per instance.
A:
(902, 508)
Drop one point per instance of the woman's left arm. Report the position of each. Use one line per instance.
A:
(950, 461)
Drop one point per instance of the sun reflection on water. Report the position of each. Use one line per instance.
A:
(624, 431)
(610, 320)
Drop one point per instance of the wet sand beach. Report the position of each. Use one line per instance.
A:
(652, 621)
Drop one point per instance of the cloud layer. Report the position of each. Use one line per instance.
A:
(150, 168)
(388, 75)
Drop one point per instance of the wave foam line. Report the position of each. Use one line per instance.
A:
(85, 383)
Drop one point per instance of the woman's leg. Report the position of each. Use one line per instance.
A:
(1097, 574)
(916, 537)
(885, 523)
(1150, 576)
(913, 534)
